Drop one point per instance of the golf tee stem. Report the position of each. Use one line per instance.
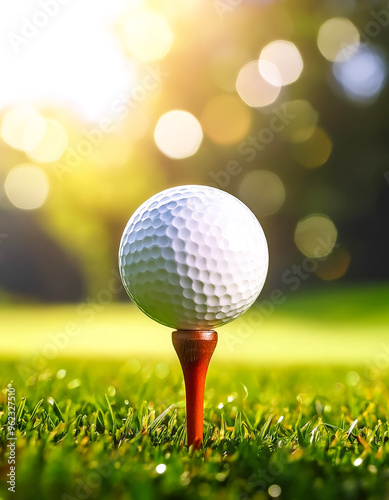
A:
(194, 350)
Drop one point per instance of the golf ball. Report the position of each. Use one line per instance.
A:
(193, 257)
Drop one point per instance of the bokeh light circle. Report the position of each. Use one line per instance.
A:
(303, 121)
(335, 266)
(52, 144)
(262, 191)
(338, 39)
(225, 119)
(148, 36)
(315, 151)
(362, 77)
(280, 63)
(178, 134)
(27, 187)
(254, 90)
(315, 236)
(22, 127)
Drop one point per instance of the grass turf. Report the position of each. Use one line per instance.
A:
(339, 326)
(106, 432)
(94, 428)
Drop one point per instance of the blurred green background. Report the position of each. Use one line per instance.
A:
(282, 104)
(90, 129)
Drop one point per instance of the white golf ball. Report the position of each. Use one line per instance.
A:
(193, 257)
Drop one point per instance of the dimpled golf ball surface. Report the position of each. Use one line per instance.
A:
(193, 257)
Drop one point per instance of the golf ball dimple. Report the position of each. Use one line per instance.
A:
(193, 257)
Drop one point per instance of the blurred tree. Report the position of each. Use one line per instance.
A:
(33, 264)
(68, 247)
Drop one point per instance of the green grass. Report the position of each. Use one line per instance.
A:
(297, 400)
(338, 326)
(101, 431)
